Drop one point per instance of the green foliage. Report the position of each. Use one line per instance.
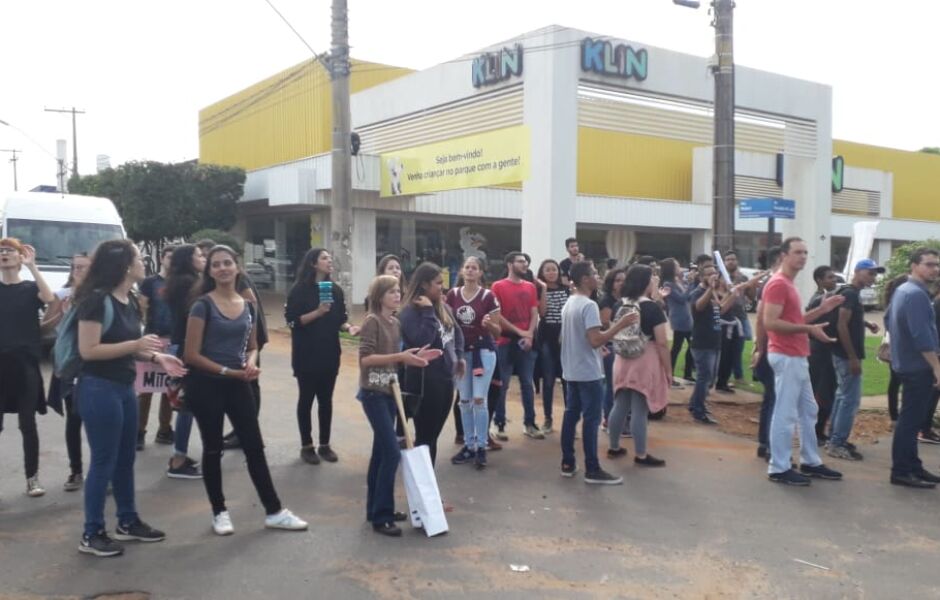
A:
(160, 201)
(216, 235)
(933, 150)
(900, 263)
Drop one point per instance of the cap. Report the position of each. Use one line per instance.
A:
(867, 264)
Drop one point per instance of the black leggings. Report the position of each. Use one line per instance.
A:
(433, 411)
(894, 387)
(211, 399)
(14, 373)
(679, 338)
(73, 436)
(319, 386)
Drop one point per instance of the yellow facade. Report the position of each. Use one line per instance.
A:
(283, 118)
(611, 163)
(916, 176)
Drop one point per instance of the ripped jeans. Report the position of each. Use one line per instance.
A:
(473, 390)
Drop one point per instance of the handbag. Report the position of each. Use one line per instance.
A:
(884, 349)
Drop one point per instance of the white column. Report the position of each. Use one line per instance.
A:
(280, 253)
(551, 111)
(882, 251)
(363, 252)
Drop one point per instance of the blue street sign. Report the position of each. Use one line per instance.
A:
(767, 208)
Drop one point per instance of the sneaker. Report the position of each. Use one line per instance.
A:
(547, 426)
(604, 425)
(34, 489)
(677, 386)
(458, 440)
(492, 445)
(463, 457)
(930, 437)
(616, 453)
(568, 470)
(73, 483)
(501, 433)
(763, 452)
(724, 389)
(100, 545)
(531, 431)
(327, 454)
(164, 437)
(141, 441)
(285, 520)
(840, 452)
(309, 455)
(231, 442)
(820, 471)
(602, 477)
(789, 477)
(912, 481)
(705, 419)
(822, 439)
(480, 459)
(390, 529)
(138, 530)
(184, 471)
(222, 524)
(191, 462)
(649, 461)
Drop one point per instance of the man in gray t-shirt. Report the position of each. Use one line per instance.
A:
(581, 359)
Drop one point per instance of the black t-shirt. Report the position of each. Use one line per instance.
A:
(853, 304)
(550, 323)
(315, 346)
(124, 328)
(564, 266)
(706, 324)
(815, 346)
(651, 315)
(19, 317)
(159, 318)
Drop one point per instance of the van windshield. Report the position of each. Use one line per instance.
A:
(57, 241)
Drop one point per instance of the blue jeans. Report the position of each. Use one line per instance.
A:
(109, 412)
(706, 369)
(916, 391)
(584, 398)
(795, 405)
(474, 415)
(609, 380)
(184, 426)
(380, 498)
(550, 360)
(848, 399)
(511, 358)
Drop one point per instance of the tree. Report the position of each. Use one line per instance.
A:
(159, 201)
(218, 236)
(931, 150)
(900, 261)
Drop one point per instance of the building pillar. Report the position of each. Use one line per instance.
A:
(882, 251)
(363, 252)
(701, 243)
(550, 110)
(280, 254)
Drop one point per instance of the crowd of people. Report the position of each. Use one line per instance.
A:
(453, 352)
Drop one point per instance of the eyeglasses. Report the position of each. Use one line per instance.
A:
(7, 250)
(931, 265)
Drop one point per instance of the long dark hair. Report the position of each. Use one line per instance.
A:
(609, 282)
(479, 262)
(182, 282)
(208, 282)
(667, 270)
(636, 281)
(424, 275)
(307, 273)
(541, 271)
(109, 265)
(383, 263)
(892, 286)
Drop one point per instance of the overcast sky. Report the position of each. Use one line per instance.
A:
(142, 69)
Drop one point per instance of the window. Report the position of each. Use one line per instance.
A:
(56, 242)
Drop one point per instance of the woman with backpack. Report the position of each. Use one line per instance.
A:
(109, 340)
(549, 335)
(316, 314)
(642, 365)
(222, 351)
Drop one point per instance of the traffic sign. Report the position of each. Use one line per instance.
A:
(767, 208)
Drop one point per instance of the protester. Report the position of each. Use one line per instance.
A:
(822, 373)
(735, 365)
(105, 391)
(914, 347)
(61, 396)
(707, 307)
(549, 336)
(642, 382)
(760, 365)
(847, 356)
(894, 382)
(221, 349)
(391, 264)
(380, 355)
(581, 343)
(21, 389)
(183, 286)
(574, 255)
(680, 315)
(608, 303)
(315, 349)
(476, 312)
(788, 331)
(158, 321)
(519, 316)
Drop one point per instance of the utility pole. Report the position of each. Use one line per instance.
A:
(341, 221)
(723, 174)
(74, 112)
(16, 183)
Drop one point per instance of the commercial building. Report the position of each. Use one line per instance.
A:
(555, 133)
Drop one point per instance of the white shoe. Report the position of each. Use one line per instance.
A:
(222, 524)
(285, 520)
(34, 489)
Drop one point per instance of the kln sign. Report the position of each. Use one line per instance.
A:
(601, 56)
(493, 67)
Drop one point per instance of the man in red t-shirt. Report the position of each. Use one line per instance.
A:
(519, 316)
(788, 331)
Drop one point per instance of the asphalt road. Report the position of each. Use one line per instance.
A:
(709, 525)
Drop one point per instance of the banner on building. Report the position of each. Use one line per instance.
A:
(491, 158)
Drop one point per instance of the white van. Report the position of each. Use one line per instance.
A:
(58, 226)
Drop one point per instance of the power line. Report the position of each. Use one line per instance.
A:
(317, 55)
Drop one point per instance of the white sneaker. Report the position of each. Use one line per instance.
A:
(34, 489)
(222, 524)
(285, 520)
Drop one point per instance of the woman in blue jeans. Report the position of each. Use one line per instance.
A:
(380, 354)
(105, 392)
